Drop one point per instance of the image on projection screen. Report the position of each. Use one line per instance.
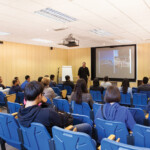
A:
(118, 62)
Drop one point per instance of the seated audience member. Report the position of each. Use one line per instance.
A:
(32, 112)
(52, 82)
(1, 85)
(17, 78)
(96, 86)
(145, 86)
(125, 87)
(68, 82)
(27, 80)
(112, 111)
(40, 79)
(80, 93)
(106, 82)
(48, 91)
(15, 88)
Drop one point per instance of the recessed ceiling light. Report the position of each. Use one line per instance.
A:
(4, 33)
(123, 41)
(56, 15)
(42, 40)
(101, 32)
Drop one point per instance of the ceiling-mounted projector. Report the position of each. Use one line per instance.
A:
(70, 41)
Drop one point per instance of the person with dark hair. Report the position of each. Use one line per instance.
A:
(52, 82)
(1, 85)
(68, 82)
(40, 79)
(27, 80)
(106, 82)
(80, 93)
(96, 86)
(15, 88)
(17, 78)
(125, 87)
(112, 111)
(83, 72)
(47, 116)
(145, 86)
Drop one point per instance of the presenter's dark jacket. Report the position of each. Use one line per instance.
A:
(83, 73)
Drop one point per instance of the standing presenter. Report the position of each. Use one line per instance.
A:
(83, 72)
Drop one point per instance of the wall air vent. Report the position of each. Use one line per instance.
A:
(56, 15)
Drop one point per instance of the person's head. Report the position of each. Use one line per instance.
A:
(125, 85)
(80, 88)
(106, 78)
(46, 76)
(45, 81)
(17, 78)
(52, 77)
(40, 79)
(96, 82)
(145, 80)
(67, 78)
(33, 91)
(1, 80)
(112, 95)
(27, 77)
(84, 64)
(15, 82)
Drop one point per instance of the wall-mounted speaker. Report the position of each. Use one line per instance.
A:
(1, 42)
(51, 48)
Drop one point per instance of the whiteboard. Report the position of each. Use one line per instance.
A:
(67, 70)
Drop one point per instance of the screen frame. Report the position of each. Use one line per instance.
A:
(93, 62)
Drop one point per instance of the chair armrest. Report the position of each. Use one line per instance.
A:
(69, 127)
(75, 130)
(146, 116)
(15, 115)
(118, 140)
(111, 137)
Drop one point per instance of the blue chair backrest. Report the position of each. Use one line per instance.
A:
(56, 90)
(107, 144)
(77, 119)
(9, 130)
(60, 86)
(138, 115)
(68, 88)
(62, 104)
(19, 97)
(125, 98)
(146, 92)
(105, 128)
(139, 99)
(96, 96)
(2, 99)
(141, 135)
(96, 107)
(82, 109)
(69, 140)
(134, 90)
(48, 100)
(36, 137)
(13, 107)
(104, 93)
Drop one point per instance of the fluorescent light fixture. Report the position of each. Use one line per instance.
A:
(101, 32)
(56, 15)
(4, 33)
(123, 41)
(42, 40)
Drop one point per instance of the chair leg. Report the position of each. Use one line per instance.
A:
(2, 142)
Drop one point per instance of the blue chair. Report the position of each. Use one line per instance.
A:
(62, 105)
(146, 92)
(68, 88)
(2, 99)
(13, 107)
(82, 109)
(107, 144)
(36, 137)
(48, 100)
(69, 140)
(77, 119)
(138, 115)
(96, 96)
(19, 97)
(105, 128)
(141, 136)
(9, 129)
(96, 107)
(56, 90)
(60, 86)
(140, 100)
(125, 99)
(134, 90)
